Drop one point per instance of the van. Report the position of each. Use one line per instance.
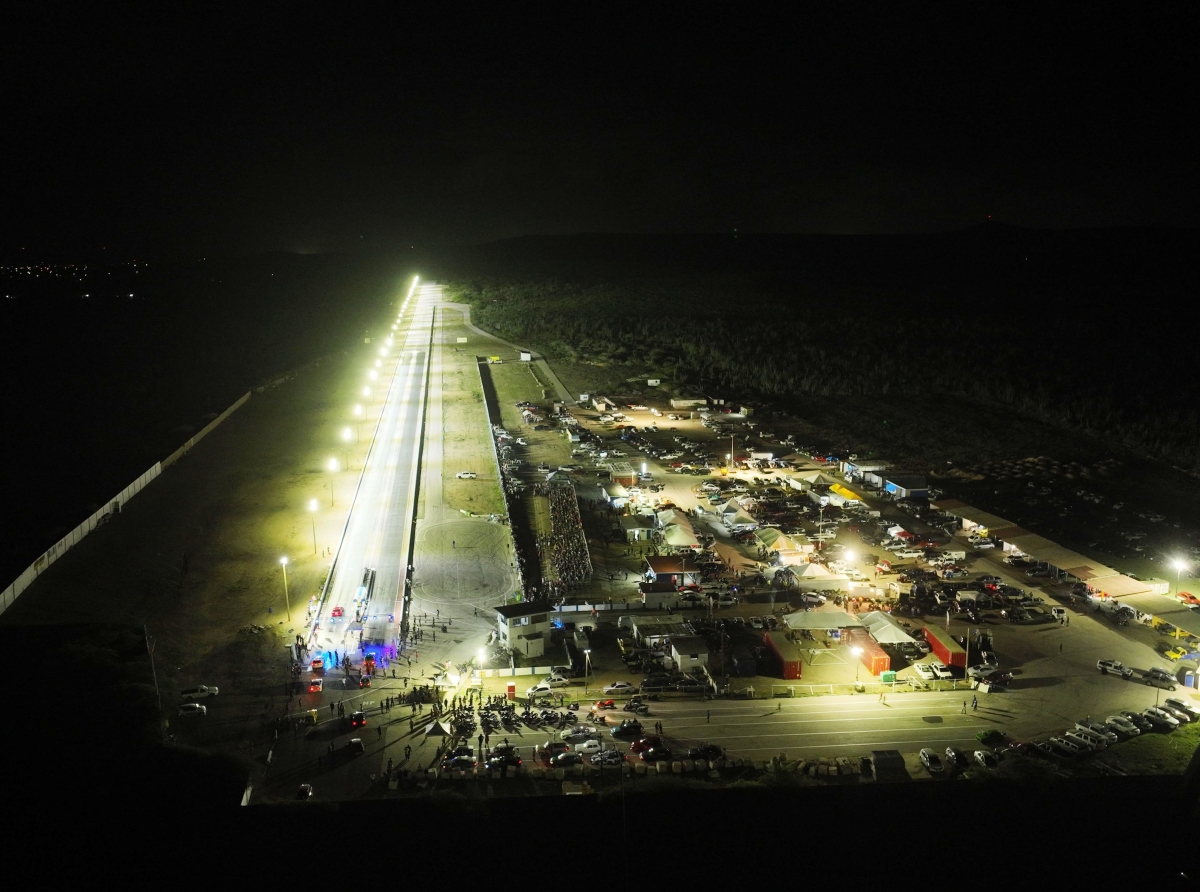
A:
(1097, 741)
(1083, 740)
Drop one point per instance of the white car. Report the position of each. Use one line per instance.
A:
(1160, 718)
(619, 687)
(193, 709)
(555, 681)
(941, 670)
(579, 733)
(200, 692)
(466, 475)
(984, 759)
(1067, 745)
(1177, 705)
(923, 670)
(1123, 725)
(588, 747)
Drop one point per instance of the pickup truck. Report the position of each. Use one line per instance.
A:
(200, 692)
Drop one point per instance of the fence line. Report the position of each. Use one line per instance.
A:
(111, 508)
(204, 432)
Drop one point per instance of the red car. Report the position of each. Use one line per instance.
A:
(646, 743)
(337, 611)
(1188, 598)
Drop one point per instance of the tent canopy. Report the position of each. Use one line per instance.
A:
(680, 537)
(437, 729)
(884, 628)
(821, 619)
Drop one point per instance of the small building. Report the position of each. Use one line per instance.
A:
(638, 527)
(622, 472)
(678, 569)
(613, 494)
(656, 633)
(906, 486)
(854, 469)
(524, 627)
(603, 404)
(689, 652)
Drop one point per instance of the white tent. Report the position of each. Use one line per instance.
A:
(680, 537)
(884, 628)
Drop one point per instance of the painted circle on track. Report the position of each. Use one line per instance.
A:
(463, 559)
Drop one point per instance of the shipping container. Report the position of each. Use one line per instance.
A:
(873, 656)
(787, 652)
(945, 647)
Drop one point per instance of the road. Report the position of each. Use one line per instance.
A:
(376, 534)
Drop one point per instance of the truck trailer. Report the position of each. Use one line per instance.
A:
(945, 647)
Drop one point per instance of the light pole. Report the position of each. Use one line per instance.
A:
(358, 422)
(1179, 566)
(333, 469)
(346, 447)
(312, 510)
(587, 668)
(857, 651)
(286, 598)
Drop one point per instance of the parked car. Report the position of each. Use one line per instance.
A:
(1114, 667)
(466, 475)
(1068, 747)
(1137, 719)
(1183, 706)
(984, 759)
(924, 670)
(983, 670)
(941, 670)
(1122, 725)
(957, 759)
(200, 692)
(619, 687)
(1161, 719)
(187, 709)
(931, 761)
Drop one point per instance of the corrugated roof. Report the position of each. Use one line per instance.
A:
(1166, 609)
(971, 513)
(845, 492)
(1120, 586)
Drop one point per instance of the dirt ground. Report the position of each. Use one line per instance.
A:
(196, 556)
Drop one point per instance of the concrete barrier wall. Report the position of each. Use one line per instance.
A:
(66, 543)
(204, 432)
(111, 508)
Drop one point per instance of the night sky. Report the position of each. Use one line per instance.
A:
(172, 133)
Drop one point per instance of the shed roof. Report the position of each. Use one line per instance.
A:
(1167, 609)
(524, 608)
(689, 644)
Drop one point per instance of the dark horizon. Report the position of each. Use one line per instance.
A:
(188, 135)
